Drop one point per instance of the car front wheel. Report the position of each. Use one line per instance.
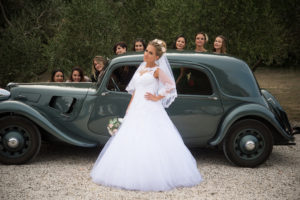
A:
(20, 140)
(248, 143)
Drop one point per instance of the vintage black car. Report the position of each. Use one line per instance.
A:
(219, 104)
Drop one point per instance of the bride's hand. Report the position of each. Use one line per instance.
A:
(152, 97)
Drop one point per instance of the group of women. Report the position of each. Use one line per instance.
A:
(139, 45)
(77, 74)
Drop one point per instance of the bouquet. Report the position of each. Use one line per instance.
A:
(113, 125)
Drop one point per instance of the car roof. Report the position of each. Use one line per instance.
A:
(232, 74)
(215, 60)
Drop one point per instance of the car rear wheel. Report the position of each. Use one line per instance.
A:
(20, 140)
(248, 143)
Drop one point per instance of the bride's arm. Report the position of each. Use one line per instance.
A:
(153, 97)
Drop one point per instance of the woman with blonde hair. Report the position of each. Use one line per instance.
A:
(201, 39)
(147, 153)
(98, 67)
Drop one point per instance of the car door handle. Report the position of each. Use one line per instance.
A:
(104, 93)
(21, 97)
(213, 98)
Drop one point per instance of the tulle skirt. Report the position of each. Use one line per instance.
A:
(147, 154)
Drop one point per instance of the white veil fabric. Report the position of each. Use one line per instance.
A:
(166, 86)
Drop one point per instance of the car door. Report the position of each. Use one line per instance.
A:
(197, 110)
(113, 99)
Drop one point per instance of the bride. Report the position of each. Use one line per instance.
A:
(147, 153)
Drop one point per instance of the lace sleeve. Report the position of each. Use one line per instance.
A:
(167, 86)
(131, 86)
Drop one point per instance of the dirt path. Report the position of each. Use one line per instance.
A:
(62, 172)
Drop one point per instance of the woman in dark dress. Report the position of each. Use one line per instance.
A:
(122, 74)
(179, 45)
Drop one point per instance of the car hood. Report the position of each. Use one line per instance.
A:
(34, 90)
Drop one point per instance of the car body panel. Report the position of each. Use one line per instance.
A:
(78, 113)
(22, 109)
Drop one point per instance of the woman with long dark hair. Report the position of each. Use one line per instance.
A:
(139, 45)
(220, 45)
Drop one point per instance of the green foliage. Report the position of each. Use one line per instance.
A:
(251, 27)
(288, 12)
(135, 20)
(22, 41)
(62, 34)
(87, 29)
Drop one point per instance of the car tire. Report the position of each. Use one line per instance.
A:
(20, 140)
(248, 143)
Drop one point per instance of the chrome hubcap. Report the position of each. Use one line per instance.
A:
(13, 142)
(250, 145)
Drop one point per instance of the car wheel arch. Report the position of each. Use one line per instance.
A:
(247, 111)
(26, 111)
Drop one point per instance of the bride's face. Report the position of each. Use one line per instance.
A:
(150, 54)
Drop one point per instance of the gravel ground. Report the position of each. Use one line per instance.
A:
(62, 172)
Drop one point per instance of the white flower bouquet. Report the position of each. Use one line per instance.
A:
(113, 125)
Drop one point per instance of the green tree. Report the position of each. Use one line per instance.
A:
(252, 28)
(37, 35)
(134, 20)
(88, 28)
(288, 12)
(23, 35)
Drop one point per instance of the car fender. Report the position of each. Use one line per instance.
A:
(243, 111)
(20, 108)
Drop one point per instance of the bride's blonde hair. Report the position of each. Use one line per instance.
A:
(159, 45)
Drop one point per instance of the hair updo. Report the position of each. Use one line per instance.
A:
(159, 45)
(204, 34)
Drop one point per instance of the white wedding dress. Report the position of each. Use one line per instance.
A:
(147, 153)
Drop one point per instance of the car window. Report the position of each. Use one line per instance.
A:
(63, 104)
(192, 81)
(188, 80)
(120, 78)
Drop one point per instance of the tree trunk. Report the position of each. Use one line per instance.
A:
(255, 66)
